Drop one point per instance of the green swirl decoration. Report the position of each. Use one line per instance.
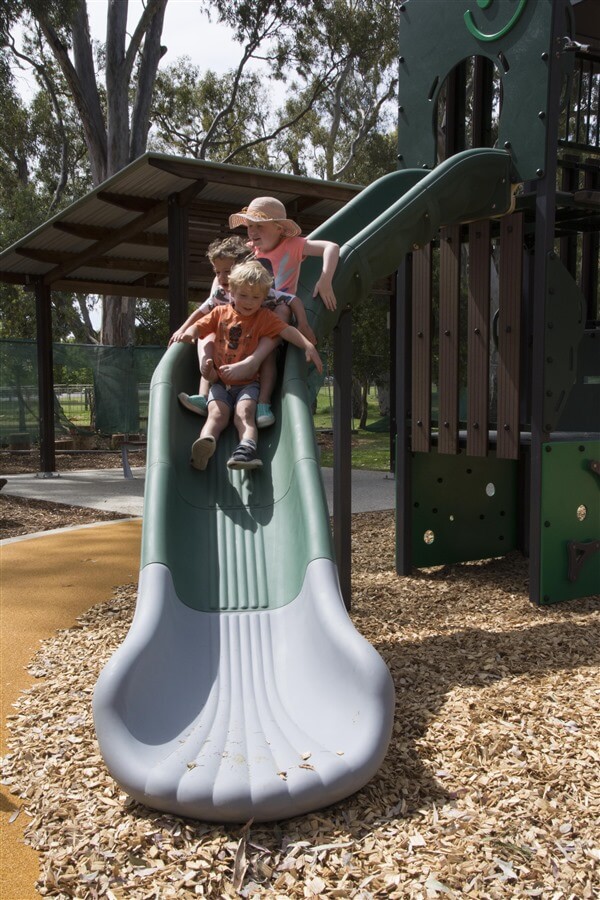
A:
(480, 35)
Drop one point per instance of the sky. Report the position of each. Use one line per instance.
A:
(186, 32)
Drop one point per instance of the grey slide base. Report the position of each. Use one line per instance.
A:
(231, 716)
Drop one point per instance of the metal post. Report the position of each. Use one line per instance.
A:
(544, 242)
(403, 394)
(392, 382)
(342, 452)
(43, 315)
(178, 219)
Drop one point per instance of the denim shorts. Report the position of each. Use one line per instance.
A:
(234, 393)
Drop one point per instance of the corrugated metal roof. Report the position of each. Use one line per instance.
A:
(114, 240)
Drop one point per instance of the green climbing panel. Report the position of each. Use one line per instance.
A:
(570, 521)
(463, 508)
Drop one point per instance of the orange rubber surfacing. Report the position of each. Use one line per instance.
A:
(46, 582)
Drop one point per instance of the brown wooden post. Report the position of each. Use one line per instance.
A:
(448, 386)
(478, 343)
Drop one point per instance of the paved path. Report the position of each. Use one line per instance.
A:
(108, 490)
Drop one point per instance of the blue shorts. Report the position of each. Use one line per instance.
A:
(234, 393)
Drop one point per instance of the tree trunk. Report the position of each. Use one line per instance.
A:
(364, 404)
(117, 87)
(356, 398)
(118, 321)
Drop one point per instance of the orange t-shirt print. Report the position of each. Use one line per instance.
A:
(236, 337)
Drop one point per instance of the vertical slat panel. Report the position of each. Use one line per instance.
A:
(590, 252)
(421, 350)
(509, 335)
(448, 387)
(478, 338)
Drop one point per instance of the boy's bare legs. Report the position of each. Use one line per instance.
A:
(204, 447)
(244, 418)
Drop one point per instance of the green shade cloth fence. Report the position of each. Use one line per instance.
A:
(102, 389)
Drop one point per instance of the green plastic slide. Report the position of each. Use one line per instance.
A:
(242, 689)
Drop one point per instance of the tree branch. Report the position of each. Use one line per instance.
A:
(81, 80)
(249, 49)
(64, 143)
(151, 56)
(366, 125)
(317, 91)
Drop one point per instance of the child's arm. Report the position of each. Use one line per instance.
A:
(189, 335)
(191, 320)
(330, 253)
(292, 335)
(297, 307)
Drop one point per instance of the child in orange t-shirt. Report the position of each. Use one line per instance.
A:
(238, 328)
(224, 254)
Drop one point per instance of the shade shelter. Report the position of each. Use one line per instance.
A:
(144, 233)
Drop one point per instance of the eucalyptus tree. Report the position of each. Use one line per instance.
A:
(333, 56)
(40, 171)
(114, 112)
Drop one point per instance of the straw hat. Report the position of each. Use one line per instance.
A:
(265, 209)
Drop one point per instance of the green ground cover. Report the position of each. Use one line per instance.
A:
(370, 449)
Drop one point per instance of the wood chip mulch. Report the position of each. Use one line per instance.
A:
(22, 515)
(490, 789)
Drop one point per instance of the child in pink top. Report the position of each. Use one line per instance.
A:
(274, 237)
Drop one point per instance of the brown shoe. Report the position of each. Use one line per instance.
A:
(202, 450)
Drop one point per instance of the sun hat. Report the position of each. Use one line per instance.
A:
(265, 209)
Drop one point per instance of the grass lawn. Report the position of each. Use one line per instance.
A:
(370, 449)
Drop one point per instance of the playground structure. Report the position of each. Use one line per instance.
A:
(522, 465)
(242, 689)
(497, 316)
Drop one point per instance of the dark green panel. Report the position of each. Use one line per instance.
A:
(570, 488)
(514, 34)
(468, 504)
(565, 323)
(582, 409)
